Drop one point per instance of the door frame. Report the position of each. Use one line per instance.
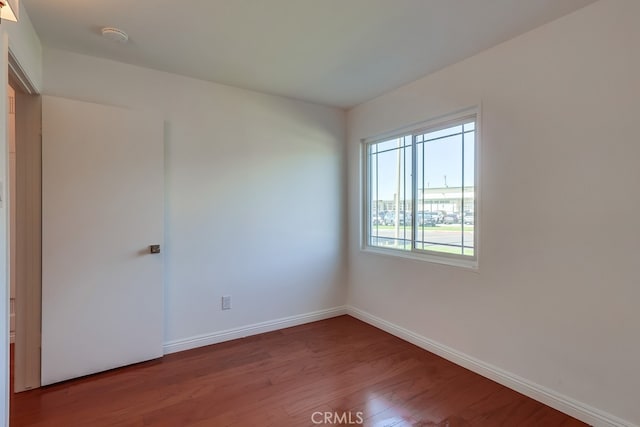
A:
(28, 253)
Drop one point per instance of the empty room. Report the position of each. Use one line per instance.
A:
(314, 213)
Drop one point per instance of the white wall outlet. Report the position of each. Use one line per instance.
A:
(226, 302)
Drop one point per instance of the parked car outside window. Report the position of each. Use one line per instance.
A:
(469, 218)
(427, 219)
(451, 218)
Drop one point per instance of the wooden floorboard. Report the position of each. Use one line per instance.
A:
(282, 378)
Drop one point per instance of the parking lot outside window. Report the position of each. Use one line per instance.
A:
(421, 193)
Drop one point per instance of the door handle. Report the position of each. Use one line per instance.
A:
(154, 249)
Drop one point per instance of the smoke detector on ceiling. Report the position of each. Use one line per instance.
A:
(115, 34)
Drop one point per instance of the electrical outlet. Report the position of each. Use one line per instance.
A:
(226, 302)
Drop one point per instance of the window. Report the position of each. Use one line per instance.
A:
(420, 192)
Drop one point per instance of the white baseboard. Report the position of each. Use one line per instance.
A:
(579, 410)
(254, 329)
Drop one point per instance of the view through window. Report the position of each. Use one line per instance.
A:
(420, 190)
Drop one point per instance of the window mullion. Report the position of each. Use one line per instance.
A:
(404, 193)
(414, 193)
(462, 199)
(377, 198)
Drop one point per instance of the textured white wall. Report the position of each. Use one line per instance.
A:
(555, 299)
(254, 193)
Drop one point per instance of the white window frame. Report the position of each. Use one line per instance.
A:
(434, 124)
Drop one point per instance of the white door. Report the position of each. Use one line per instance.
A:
(102, 205)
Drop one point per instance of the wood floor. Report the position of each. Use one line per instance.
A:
(290, 377)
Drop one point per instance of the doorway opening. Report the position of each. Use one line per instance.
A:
(11, 124)
(24, 196)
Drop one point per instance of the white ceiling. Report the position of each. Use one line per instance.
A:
(333, 52)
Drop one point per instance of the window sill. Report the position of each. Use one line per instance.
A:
(470, 264)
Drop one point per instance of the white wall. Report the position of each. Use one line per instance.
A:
(254, 193)
(26, 48)
(555, 300)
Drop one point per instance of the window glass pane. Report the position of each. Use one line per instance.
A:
(469, 156)
(469, 217)
(375, 209)
(390, 194)
(443, 132)
(391, 144)
(441, 197)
